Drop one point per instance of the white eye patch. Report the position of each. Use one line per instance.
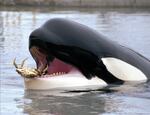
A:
(123, 70)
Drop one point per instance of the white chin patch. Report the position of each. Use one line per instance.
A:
(71, 81)
(123, 70)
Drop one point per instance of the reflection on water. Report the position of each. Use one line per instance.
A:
(125, 99)
(84, 104)
(129, 27)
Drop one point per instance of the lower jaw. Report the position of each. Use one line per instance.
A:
(70, 81)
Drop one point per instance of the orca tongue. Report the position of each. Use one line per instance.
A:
(59, 66)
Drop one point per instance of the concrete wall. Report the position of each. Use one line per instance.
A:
(78, 3)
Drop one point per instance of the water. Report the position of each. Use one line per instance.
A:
(130, 27)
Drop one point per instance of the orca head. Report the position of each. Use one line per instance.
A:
(66, 46)
(62, 55)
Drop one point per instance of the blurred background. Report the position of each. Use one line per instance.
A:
(126, 22)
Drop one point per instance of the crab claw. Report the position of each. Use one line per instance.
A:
(22, 64)
(14, 63)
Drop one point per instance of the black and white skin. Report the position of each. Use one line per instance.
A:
(76, 55)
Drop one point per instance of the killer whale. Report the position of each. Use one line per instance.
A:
(74, 46)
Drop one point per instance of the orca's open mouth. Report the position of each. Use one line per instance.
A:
(54, 66)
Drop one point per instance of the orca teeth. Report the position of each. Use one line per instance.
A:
(56, 74)
(52, 75)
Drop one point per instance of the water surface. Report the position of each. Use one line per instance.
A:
(129, 27)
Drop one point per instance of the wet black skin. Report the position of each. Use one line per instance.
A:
(84, 48)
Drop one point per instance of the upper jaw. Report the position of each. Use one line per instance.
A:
(40, 58)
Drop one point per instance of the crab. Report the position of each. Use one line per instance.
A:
(28, 72)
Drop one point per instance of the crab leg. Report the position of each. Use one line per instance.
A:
(44, 71)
